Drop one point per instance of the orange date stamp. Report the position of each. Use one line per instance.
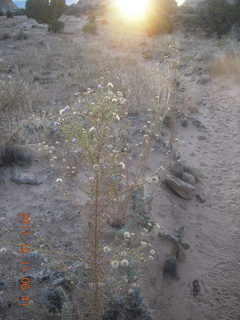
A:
(25, 282)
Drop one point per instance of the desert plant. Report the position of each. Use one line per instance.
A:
(44, 11)
(11, 155)
(90, 27)
(99, 130)
(228, 62)
(56, 27)
(4, 36)
(20, 36)
(217, 17)
(9, 14)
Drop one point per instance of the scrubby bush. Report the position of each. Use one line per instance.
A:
(11, 155)
(90, 27)
(44, 11)
(56, 27)
(4, 36)
(9, 14)
(20, 36)
(218, 17)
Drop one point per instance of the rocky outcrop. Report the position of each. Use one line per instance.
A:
(6, 5)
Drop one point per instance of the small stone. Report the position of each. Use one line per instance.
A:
(20, 177)
(196, 287)
(183, 189)
(189, 178)
(204, 79)
(170, 268)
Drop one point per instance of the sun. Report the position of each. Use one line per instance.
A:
(132, 9)
(180, 2)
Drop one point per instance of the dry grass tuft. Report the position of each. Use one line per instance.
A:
(227, 63)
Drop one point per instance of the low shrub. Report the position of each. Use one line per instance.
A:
(9, 14)
(90, 27)
(218, 17)
(20, 36)
(4, 36)
(11, 155)
(56, 27)
(228, 63)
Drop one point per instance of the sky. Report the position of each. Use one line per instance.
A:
(21, 3)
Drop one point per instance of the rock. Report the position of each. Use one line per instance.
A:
(170, 268)
(184, 123)
(33, 24)
(20, 177)
(200, 199)
(204, 79)
(181, 188)
(6, 5)
(188, 177)
(196, 287)
(33, 255)
(197, 123)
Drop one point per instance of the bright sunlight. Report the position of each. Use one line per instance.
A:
(132, 9)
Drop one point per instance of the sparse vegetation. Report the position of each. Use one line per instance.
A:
(217, 17)
(227, 62)
(90, 27)
(11, 155)
(9, 14)
(56, 27)
(90, 132)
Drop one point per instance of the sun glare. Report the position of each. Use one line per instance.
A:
(180, 2)
(132, 9)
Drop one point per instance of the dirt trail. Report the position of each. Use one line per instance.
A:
(212, 227)
(220, 156)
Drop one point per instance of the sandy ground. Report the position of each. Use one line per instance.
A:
(211, 227)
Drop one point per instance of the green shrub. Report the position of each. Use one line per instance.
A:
(1, 13)
(218, 17)
(56, 27)
(44, 11)
(90, 27)
(9, 14)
